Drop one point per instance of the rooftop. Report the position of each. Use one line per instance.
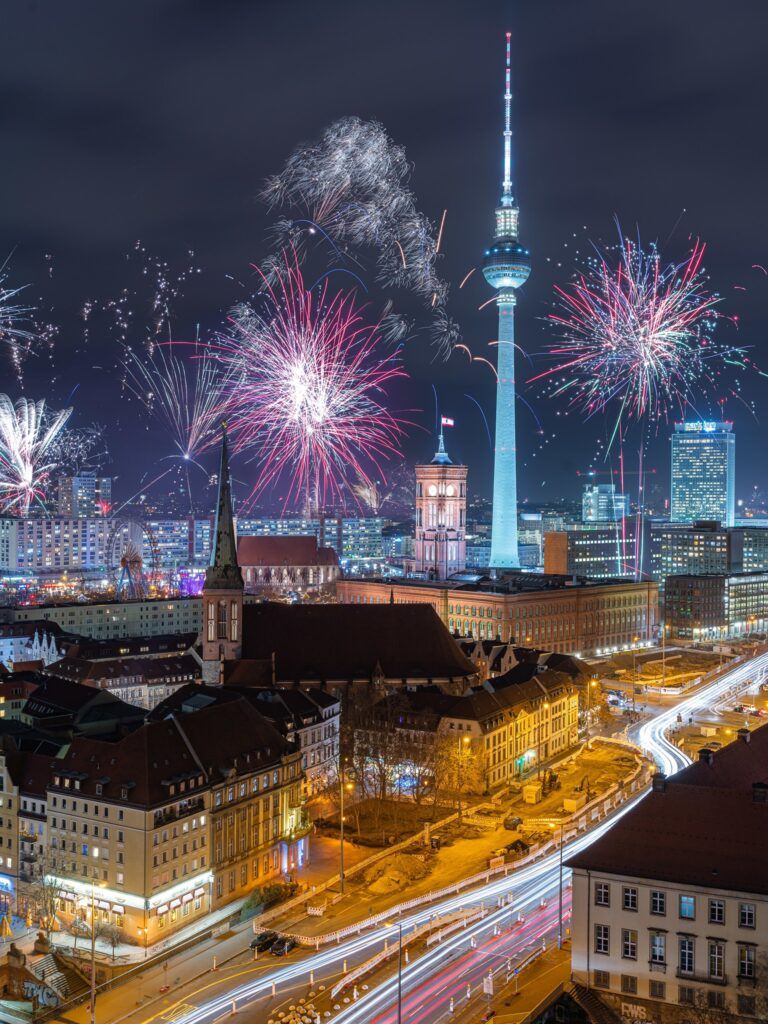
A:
(509, 583)
(707, 825)
(345, 642)
(288, 550)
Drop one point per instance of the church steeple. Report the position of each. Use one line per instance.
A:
(223, 589)
(223, 572)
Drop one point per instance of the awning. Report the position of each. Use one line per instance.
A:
(163, 908)
(186, 897)
(199, 892)
(102, 905)
(117, 909)
(175, 903)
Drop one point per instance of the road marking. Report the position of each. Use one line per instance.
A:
(178, 1011)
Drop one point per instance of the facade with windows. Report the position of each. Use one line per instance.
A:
(152, 830)
(440, 545)
(670, 907)
(600, 503)
(554, 613)
(703, 472)
(592, 549)
(713, 607)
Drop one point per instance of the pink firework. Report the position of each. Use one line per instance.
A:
(306, 390)
(637, 333)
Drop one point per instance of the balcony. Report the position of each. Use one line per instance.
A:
(184, 809)
(302, 823)
(701, 979)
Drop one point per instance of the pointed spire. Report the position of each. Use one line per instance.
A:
(223, 572)
(441, 455)
(506, 188)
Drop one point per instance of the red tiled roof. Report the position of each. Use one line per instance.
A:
(283, 551)
(346, 642)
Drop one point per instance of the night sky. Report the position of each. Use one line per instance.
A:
(159, 121)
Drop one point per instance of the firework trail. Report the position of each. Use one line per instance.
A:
(350, 189)
(635, 332)
(79, 449)
(306, 389)
(18, 327)
(184, 395)
(28, 433)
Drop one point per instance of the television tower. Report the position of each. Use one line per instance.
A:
(506, 265)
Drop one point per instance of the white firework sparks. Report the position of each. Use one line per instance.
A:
(28, 434)
(350, 189)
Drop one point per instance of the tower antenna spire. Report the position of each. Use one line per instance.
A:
(506, 190)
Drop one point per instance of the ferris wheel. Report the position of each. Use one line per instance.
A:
(132, 558)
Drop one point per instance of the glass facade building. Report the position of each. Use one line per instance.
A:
(703, 472)
(600, 503)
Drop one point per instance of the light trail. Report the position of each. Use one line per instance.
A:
(520, 890)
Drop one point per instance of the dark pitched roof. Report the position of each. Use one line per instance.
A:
(228, 735)
(283, 551)
(28, 629)
(114, 670)
(344, 642)
(703, 828)
(130, 646)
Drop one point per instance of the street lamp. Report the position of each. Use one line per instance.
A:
(94, 886)
(544, 708)
(592, 684)
(463, 742)
(342, 786)
(560, 886)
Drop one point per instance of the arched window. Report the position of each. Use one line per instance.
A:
(221, 632)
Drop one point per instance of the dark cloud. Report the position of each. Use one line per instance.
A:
(158, 119)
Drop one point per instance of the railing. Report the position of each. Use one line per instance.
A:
(174, 813)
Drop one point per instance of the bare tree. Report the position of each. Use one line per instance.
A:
(459, 767)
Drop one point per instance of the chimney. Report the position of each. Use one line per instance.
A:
(744, 735)
(707, 756)
(760, 793)
(659, 782)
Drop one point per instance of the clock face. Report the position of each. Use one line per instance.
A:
(433, 489)
(450, 491)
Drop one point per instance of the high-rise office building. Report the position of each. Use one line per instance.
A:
(84, 496)
(600, 503)
(703, 472)
(506, 266)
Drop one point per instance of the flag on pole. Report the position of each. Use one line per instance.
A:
(446, 421)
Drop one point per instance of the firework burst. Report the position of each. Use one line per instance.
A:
(306, 388)
(28, 434)
(636, 332)
(349, 190)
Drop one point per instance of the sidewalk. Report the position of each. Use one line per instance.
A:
(533, 990)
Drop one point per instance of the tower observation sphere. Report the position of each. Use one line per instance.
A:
(506, 266)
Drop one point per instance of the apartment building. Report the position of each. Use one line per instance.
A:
(508, 725)
(155, 826)
(670, 906)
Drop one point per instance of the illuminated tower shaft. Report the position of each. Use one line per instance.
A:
(504, 552)
(506, 266)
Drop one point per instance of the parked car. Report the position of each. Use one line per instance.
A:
(282, 946)
(263, 941)
(513, 822)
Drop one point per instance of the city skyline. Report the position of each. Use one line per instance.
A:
(557, 202)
